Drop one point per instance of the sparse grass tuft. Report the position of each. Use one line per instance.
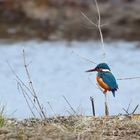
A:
(74, 128)
(2, 117)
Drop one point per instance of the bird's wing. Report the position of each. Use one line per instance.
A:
(110, 80)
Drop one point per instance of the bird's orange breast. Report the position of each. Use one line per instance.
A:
(102, 84)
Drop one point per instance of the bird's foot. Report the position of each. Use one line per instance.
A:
(104, 92)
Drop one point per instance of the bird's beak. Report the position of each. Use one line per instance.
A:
(91, 70)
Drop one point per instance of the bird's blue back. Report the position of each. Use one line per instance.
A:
(110, 80)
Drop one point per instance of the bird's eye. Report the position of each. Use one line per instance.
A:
(97, 68)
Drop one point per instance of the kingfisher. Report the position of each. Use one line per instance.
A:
(105, 78)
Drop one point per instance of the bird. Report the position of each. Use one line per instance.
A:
(105, 78)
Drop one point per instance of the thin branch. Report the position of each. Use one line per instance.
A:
(135, 109)
(90, 21)
(125, 111)
(28, 97)
(99, 28)
(30, 89)
(83, 57)
(98, 25)
(129, 105)
(31, 85)
(69, 104)
(105, 24)
(20, 87)
(129, 78)
(51, 108)
(21, 82)
(84, 25)
(18, 78)
(27, 72)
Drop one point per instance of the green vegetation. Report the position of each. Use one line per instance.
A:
(2, 118)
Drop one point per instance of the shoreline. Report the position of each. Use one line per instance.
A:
(72, 128)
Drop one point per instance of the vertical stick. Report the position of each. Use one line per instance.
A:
(106, 106)
(100, 30)
(93, 107)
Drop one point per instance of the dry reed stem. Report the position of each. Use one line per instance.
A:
(69, 104)
(24, 87)
(20, 89)
(31, 86)
(29, 93)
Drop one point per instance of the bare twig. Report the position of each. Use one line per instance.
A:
(20, 88)
(88, 19)
(52, 108)
(99, 28)
(31, 85)
(28, 92)
(83, 57)
(125, 111)
(129, 105)
(98, 25)
(135, 109)
(69, 104)
(129, 78)
(18, 78)
(28, 98)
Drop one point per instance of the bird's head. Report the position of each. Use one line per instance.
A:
(100, 67)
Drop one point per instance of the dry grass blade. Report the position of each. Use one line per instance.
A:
(28, 92)
(129, 105)
(52, 108)
(31, 86)
(20, 89)
(69, 104)
(28, 99)
(18, 78)
(125, 111)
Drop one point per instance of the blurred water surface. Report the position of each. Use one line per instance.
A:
(56, 71)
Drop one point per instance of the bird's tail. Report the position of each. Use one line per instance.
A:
(113, 92)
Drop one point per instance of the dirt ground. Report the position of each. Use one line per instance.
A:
(73, 128)
(30, 21)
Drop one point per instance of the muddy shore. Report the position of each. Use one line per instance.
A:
(122, 21)
(72, 128)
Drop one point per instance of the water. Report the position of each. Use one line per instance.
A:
(56, 71)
